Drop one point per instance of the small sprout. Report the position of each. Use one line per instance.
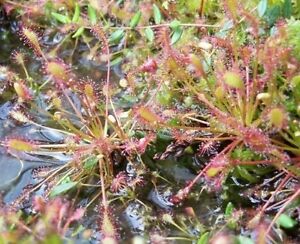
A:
(229, 209)
(233, 80)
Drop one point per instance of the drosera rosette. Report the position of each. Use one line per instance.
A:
(120, 182)
(58, 212)
(50, 220)
(208, 148)
(133, 145)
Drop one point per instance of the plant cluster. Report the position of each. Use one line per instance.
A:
(213, 83)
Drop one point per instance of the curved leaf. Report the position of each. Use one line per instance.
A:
(62, 188)
(157, 14)
(135, 19)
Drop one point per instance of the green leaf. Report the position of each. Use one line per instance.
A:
(286, 221)
(90, 162)
(62, 188)
(157, 14)
(92, 15)
(203, 238)
(262, 7)
(76, 13)
(243, 172)
(176, 35)
(175, 24)
(116, 61)
(78, 32)
(135, 19)
(229, 209)
(244, 240)
(116, 36)
(53, 239)
(287, 9)
(61, 18)
(149, 34)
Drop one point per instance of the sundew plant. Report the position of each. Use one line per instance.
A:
(150, 121)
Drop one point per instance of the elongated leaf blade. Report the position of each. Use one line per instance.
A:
(116, 36)
(76, 13)
(157, 14)
(149, 34)
(61, 18)
(92, 15)
(135, 19)
(62, 188)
